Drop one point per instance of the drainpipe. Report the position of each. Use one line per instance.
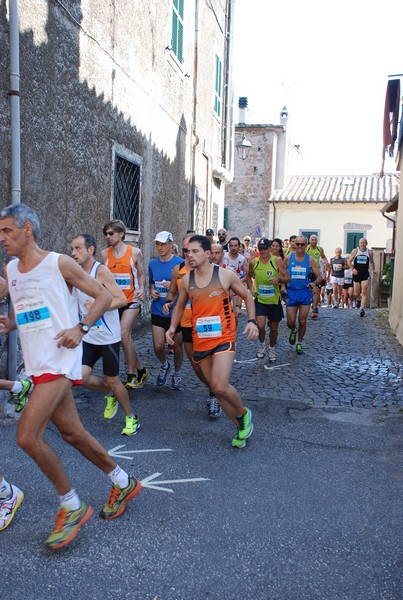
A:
(15, 149)
(195, 137)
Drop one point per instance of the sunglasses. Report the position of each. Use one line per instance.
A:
(300, 244)
(109, 233)
(185, 250)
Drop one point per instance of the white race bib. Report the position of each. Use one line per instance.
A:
(32, 314)
(123, 280)
(208, 327)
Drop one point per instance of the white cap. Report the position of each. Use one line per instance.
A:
(163, 237)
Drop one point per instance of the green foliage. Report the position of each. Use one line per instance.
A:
(387, 273)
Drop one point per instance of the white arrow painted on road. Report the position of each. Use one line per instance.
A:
(156, 485)
(276, 367)
(249, 360)
(115, 451)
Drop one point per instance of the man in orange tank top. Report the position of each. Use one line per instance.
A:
(214, 328)
(126, 265)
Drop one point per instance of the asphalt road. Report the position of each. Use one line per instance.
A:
(310, 509)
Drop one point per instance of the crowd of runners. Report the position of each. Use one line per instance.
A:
(72, 311)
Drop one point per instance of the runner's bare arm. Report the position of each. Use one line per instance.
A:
(316, 271)
(138, 261)
(77, 277)
(105, 277)
(351, 259)
(7, 322)
(231, 281)
(172, 292)
(178, 310)
(284, 276)
(371, 261)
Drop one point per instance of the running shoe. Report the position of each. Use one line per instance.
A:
(138, 383)
(119, 497)
(315, 313)
(272, 355)
(132, 426)
(214, 409)
(245, 425)
(111, 407)
(362, 313)
(67, 526)
(298, 348)
(358, 303)
(22, 397)
(176, 382)
(162, 376)
(262, 351)
(8, 506)
(293, 337)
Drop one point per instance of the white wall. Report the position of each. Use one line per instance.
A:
(330, 220)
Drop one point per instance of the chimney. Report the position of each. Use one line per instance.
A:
(284, 117)
(242, 105)
(281, 152)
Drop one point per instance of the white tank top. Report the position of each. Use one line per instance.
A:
(43, 307)
(107, 329)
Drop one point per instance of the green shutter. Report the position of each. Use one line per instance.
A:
(225, 218)
(177, 29)
(353, 237)
(217, 86)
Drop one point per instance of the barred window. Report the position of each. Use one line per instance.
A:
(200, 215)
(126, 196)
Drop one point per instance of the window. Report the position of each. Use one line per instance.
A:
(126, 192)
(352, 239)
(226, 218)
(218, 86)
(214, 217)
(177, 29)
(200, 215)
(308, 232)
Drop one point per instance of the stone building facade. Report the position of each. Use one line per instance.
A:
(125, 112)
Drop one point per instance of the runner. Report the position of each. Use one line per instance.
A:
(126, 265)
(238, 263)
(267, 273)
(299, 290)
(45, 313)
(249, 251)
(317, 254)
(347, 298)
(361, 261)
(222, 236)
(214, 329)
(337, 266)
(186, 323)
(103, 338)
(10, 499)
(159, 278)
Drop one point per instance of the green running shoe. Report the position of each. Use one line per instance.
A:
(111, 407)
(119, 497)
(298, 349)
(67, 526)
(293, 337)
(245, 426)
(22, 397)
(132, 426)
(237, 443)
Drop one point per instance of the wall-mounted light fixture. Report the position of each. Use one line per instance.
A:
(243, 147)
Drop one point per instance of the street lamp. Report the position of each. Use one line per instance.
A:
(243, 147)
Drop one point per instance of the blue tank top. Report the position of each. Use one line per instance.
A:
(298, 272)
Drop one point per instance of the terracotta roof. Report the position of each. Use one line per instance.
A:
(339, 188)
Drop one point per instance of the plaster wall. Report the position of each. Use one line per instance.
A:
(330, 220)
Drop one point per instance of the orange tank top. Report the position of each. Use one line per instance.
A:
(124, 272)
(213, 317)
(186, 320)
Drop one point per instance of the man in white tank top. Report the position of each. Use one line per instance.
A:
(103, 338)
(46, 314)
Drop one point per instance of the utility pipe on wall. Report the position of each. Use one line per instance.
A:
(15, 148)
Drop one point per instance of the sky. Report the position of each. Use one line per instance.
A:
(329, 63)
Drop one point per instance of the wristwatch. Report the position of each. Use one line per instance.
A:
(84, 327)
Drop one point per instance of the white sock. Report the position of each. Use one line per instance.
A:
(5, 489)
(119, 477)
(17, 387)
(70, 500)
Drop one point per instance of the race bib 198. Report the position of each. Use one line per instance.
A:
(32, 314)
